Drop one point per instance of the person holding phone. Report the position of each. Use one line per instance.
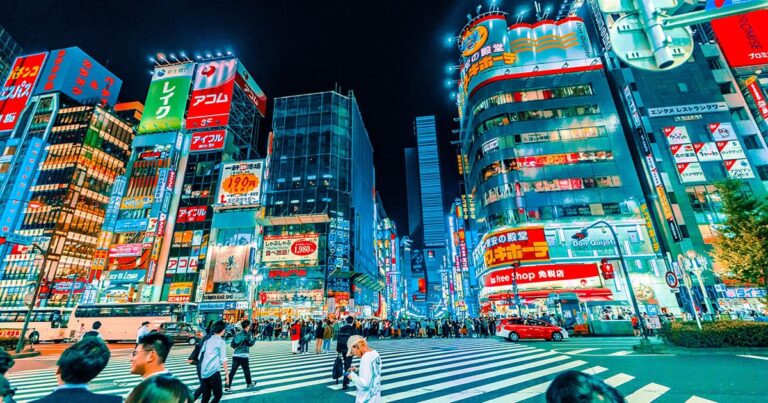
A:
(368, 380)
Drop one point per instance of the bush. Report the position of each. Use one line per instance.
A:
(716, 334)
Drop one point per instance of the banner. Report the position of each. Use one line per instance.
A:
(17, 88)
(756, 91)
(211, 98)
(251, 89)
(677, 135)
(166, 98)
(230, 263)
(286, 248)
(125, 250)
(585, 274)
(180, 292)
(730, 150)
(192, 214)
(722, 131)
(126, 276)
(683, 152)
(506, 246)
(739, 169)
(208, 141)
(706, 152)
(241, 183)
(690, 172)
(743, 38)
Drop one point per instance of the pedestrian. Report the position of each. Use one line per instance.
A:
(6, 391)
(242, 342)
(327, 336)
(94, 332)
(368, 381)
(574, 386)
(306, 336)
(209, 327)
(319, 334)
(268, 330)
(160, 388)
(77, 366)
(149, 355)
(295, 337)
(213, 357)
(194, 359)
(636, 326)
(342, 337)
(143, 331)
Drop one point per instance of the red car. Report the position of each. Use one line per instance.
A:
(514, 329)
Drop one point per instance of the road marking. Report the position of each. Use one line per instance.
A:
(468, 379)
(581, 350)
(647, 393)
(696, 399)
(757, 357)
(620, 353)
(539, 389)
(491, 387)
(618, 380)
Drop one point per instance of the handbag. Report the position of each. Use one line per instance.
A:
(338, 368)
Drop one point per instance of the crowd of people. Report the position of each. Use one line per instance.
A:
(83, 361)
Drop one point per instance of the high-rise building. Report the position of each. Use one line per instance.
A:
(64, 148)
(187, 182)
(388, 263)
(9, 50)
(430, 181)
(546, 156)
(320, 208)
(413, 192)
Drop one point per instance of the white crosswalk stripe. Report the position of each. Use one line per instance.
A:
(437, 370)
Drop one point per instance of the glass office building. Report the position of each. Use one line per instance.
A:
(9, 49)
(320, 192)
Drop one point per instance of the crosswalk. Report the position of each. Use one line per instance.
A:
(437, 370)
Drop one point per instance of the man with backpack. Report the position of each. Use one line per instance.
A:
(241, 343)
(213, 356)
(341, 347)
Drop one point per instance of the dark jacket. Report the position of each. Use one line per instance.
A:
(319, 331)
(341, 339)
(242, 342)
(78, 395)
(196, 351)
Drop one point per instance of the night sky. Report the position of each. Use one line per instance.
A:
(392, 54)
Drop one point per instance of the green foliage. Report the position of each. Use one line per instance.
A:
(717, 334)
(741, 247)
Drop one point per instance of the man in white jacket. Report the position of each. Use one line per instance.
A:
(368, 381)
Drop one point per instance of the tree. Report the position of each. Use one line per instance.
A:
(741, 246)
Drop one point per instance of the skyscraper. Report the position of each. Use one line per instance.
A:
(430, 181)
(413, 192)
(9, 49)
(320, 208)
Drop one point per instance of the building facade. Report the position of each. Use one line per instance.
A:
(9, 50)
(320, 209)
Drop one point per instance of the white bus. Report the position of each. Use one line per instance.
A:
(120, 322)
(45, 324)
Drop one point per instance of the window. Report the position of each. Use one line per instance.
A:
(507, 118)
(533, 95)
(739, 114)
(762, 172)
(751, 143)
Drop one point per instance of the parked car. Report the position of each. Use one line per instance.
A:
(514, 329)
(180, 332)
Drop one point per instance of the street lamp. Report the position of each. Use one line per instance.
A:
(253, 282)
(584, 233)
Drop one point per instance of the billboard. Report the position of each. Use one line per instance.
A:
(126, 250)
(743, 38)
(677, 135)
(241, 183)
(17, 88)
(690, 172)
(739, 169)
(166, 98)
(722, 131)
(244, 80)
(230, 263)
(24, 176)
(76, 74)
(208, 141)
(180, 292)
(506, 246)
(287, 248)
(211, 98)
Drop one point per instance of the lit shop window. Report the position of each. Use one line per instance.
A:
(555, 113)
(538, 161)
(506, 191)
(533, 95)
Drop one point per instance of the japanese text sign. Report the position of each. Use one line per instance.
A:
(78, 75)
(504, 247)
(290, 247)
(241, 183)
(18, 87)
(167, 98)
(211, 98)
(208, 141)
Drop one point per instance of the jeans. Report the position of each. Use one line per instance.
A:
(212, 384)
(326, 345)
(236, 363)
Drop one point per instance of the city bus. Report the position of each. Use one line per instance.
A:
(45, 324)
(120, 322)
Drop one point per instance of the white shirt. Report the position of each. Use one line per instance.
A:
(368, 383)
(143, 331)
(212, 356)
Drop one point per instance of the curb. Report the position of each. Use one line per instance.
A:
(24, 354)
